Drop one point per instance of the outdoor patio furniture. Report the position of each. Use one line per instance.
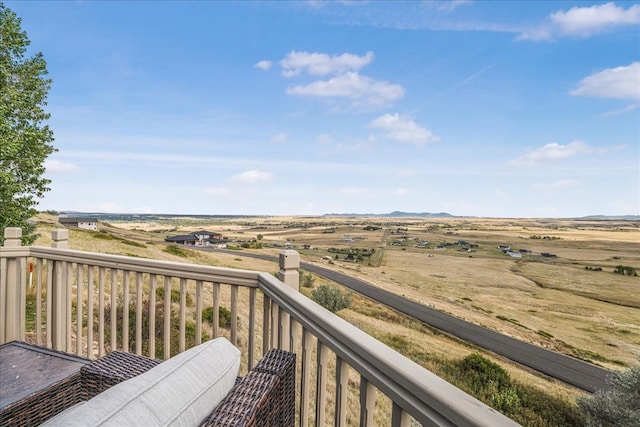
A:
(36, 383)
(265, 396)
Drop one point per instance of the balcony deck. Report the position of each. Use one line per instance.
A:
(345, 376)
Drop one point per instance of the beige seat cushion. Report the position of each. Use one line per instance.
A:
(181, 391)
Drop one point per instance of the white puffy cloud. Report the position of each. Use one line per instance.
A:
(362, 91)
(584, 21)
(403, 129)
(561, 184)
(620, 82)
(320, 64)
(264, 65)
(551, 152)
(252, 177)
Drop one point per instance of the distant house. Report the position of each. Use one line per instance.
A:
(198, 238)
(84, 223)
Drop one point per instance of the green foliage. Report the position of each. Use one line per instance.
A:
(331, 298)
(25, 141)
(224, 316)
(174, 333)
(178, 251)
(625, 270)
(175, 296)
(619, 406)
(307, 280)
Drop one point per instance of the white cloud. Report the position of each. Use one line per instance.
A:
(628, 108)
(324, 139)
(584, 21)
(401, 191)
(52, 165)
(362, 91)
(403, 129)
(279, 138)
(264, 65)
(620, 82)
(252, 177)
(320, 64)
(551, 152)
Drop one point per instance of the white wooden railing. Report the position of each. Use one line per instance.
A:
(62, 298)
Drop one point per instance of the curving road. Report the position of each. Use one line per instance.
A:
(567, 369)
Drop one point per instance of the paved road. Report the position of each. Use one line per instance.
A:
(567, 369)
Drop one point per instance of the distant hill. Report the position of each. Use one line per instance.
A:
(397, 214)
(612, 217)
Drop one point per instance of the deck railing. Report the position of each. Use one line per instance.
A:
(91, 303)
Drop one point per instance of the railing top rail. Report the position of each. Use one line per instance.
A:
(230, 276)
(427, 397)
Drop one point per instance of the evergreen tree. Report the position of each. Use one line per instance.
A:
(25, 139)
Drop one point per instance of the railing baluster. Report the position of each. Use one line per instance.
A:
(183, 310)
(79, 300)
(275, 325)
(198, 312)
(4, 283)
(167, 317)
(252, 327)
(305, 378)
(367, 402)
(399, 418)
(321, 383)
(234, 315)
(101, 280)
(90, 284)
(266, 322)
(138, 313)
(342, 383)
(39, 301)
(114, 309)
(49, 304)
(152, 316)
(68, 284)
(216, 310)
(125, 310)
(23, 298)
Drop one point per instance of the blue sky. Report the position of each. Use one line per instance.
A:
(501, 109)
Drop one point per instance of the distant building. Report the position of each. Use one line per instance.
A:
(84, 223)
(198, 238)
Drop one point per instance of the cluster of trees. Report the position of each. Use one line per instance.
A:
(25, 137)
(625, 270)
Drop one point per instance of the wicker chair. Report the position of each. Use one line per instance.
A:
(263, 397)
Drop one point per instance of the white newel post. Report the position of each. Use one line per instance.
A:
(289, 264)
(59, 315)
(11, 290)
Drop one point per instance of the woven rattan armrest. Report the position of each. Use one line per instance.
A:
(112, 369)
(264, 397)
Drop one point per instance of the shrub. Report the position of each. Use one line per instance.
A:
(224, 316)
(619, 406)
(175, 250)
(331, 298)
(307, 280)
(625, 270)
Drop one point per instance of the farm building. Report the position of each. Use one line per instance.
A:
(84, 223)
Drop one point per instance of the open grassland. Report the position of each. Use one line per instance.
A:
(569, 301)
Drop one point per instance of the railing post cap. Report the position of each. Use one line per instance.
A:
(60, 238)
(12, 233)
(289, 259)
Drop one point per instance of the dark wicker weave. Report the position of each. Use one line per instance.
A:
(282, 364)
(252, 402)
(112, 369)
(37, 383)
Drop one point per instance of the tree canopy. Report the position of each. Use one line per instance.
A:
(25, 139)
